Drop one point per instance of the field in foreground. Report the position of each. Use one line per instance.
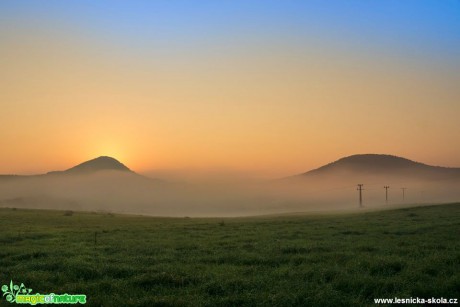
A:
(270, 261)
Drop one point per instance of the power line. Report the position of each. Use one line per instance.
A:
(360, 189)
(404, 193)
(386, 193)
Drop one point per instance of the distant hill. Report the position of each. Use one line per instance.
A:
(102, 163)
(97, 184)
(94, 166)
(382, 165)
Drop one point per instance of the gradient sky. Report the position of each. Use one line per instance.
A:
(271, 87)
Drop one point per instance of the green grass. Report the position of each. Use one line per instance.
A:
(335, 260)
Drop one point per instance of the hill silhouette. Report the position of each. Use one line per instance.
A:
(94, 166)
(385, 165)
(103, 163)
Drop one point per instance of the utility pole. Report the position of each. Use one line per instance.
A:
(404, 192)
(386, 193)
(360, 189)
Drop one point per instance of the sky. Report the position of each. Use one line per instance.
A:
(263, 87)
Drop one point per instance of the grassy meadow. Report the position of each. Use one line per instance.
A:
(301, 260)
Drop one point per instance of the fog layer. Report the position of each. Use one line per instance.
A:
(121, 192)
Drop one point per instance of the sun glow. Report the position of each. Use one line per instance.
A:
(233, 98)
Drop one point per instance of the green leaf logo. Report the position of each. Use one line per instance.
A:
(13, 290)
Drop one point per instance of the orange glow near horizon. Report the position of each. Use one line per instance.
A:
(261, 109)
